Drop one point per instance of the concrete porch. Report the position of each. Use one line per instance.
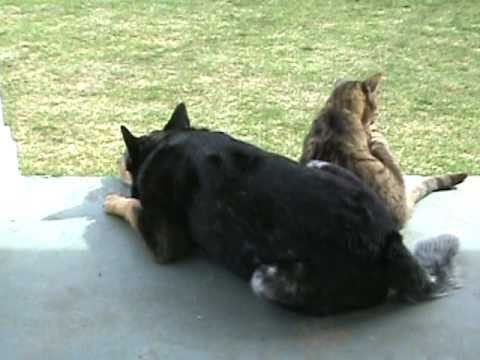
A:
(78, 284)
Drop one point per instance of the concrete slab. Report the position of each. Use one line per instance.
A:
(77, 284)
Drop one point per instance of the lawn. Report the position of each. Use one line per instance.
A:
(73, 71)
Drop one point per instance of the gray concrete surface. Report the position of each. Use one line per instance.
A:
(78, 284)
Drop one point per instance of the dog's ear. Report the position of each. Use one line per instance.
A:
(130, 140)
(179, 119)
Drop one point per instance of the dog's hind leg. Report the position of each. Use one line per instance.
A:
(167, 240)
(320, 288)
(284, 283)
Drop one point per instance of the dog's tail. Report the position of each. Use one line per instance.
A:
(427, 273)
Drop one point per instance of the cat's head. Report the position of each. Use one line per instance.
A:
(139, 147)
(357, 97)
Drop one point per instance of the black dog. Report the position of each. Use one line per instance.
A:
(315, 240)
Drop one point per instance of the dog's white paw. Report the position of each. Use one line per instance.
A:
(113, 203)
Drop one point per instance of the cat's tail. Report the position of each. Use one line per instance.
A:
(434, 183)
(427, 273)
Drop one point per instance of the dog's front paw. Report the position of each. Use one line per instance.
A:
(114, 203)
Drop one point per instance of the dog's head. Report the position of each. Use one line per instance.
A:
(139, 147)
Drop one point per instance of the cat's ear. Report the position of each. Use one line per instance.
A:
(131, 141)
(371, 84)
(179, 119)
(340, 82)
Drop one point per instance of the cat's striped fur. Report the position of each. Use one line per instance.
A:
(345, 133)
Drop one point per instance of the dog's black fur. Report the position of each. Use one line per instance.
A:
(315, 240)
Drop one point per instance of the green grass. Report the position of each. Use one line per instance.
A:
(73, 71)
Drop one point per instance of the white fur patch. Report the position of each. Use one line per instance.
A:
(257, 283)
(317, 164)
(271, 270)
(266, 284)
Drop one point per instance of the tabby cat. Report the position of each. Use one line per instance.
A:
(345, 133)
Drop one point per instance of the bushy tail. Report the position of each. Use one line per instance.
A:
(434, 183)
(428, 272)
(437, 256)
